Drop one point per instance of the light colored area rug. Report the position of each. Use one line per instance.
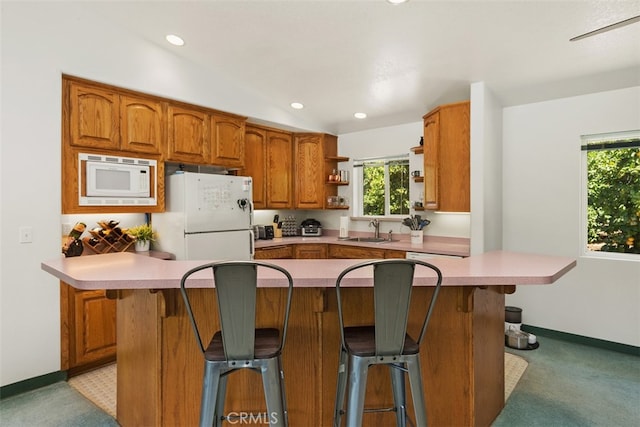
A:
(514, 367)
(99, 386)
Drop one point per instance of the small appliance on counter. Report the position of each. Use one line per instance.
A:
(311, 227)
(265, 232)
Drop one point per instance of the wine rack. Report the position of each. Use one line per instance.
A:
(106, 244)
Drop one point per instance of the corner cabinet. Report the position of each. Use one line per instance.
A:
(447, 158)
(316, 158)
(309, 164)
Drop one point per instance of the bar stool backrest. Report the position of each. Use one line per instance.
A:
(236, 295)
(392, 283)
(236, 285)
(392, 295)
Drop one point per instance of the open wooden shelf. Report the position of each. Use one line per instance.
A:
(417, 150)
(337, 159)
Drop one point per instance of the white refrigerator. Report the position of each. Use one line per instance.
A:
(207, 217)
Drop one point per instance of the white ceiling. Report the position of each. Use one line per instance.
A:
(394, 63)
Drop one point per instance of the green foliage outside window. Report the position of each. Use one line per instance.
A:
(613, 210)
(375, 188)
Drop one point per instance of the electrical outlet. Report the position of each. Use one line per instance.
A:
(26, 234)
(66, 228)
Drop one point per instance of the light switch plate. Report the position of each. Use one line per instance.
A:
(26, 234)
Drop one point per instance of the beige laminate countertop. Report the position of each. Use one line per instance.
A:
(431, 244)
(131, 271)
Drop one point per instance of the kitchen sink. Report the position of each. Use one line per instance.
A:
(368, 239)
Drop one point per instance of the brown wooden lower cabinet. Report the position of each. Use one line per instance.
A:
(88, 329)
(323, 251)
(345, 251)
(160, 367)
(274, 252)
(310, 251)
(394, 253)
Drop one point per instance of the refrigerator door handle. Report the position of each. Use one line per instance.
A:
(252, 242)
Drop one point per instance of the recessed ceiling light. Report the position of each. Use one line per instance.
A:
(297, 105)
(175, 40)
(394, 2)
(360, 115)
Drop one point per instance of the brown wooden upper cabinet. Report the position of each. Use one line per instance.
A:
(188, 139)
(447, 158)
(255, 144)
(142, 124)
(316, 158)
(279, 170)
(103, 119)
(269, 161)
(93, 116)
(309, 164)
(227, 141)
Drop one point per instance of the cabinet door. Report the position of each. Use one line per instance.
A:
(279, 170)
(274, 252)
(431, 138)
(255, 141)
(94, 329)
(311, 251)
(454, 158)
(93, 118)
(227, 141)
(309, 163)
(188, 139)
(142, 124)
(356, 252)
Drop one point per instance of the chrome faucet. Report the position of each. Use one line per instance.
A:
(376, 225)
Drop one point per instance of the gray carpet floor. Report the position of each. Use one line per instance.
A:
(56, 405)
(569, 384)
(565, 385)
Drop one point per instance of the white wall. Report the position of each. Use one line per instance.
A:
(541, 199)
(486, 170)
(40, 42)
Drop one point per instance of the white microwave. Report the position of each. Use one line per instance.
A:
(116, 181)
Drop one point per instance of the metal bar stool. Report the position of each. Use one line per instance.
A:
(385, 342)
(239, 344)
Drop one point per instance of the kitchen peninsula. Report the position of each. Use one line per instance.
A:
(160, 368)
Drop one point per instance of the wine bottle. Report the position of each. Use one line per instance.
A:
(77, 230)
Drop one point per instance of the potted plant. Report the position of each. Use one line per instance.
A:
(143, 234)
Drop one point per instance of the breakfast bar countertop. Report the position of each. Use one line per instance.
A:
(131, 271)
(463, 372)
